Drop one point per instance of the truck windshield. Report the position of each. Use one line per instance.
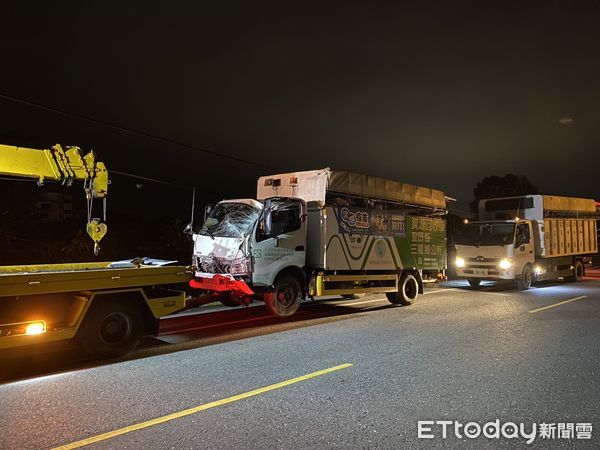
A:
(486, 234)
(230, 220)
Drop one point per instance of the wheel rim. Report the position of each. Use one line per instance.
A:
(410, 289)
(115, 328)
(527, 277)
(286, 295)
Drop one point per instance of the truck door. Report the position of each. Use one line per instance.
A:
(524, 246)
(280, 239)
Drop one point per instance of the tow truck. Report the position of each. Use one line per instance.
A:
(105, 306)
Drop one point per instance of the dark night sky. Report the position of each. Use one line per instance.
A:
(439, 95)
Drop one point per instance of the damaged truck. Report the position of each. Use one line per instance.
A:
(321, 232)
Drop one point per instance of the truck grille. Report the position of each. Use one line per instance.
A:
(481, 259)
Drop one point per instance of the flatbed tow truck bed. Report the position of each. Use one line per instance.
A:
(106, 306)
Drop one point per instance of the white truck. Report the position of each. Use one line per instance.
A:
(528, 238)
(321, 232)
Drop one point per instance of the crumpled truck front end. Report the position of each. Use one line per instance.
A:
(222, 260)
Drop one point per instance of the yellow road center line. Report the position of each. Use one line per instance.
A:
(187, 412)
(556, 304)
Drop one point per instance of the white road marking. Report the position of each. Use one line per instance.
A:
(440, 290)
(492, 293)
(215, 325)
(255, 319)
(365, 302)
(252, 319)
(543, 308)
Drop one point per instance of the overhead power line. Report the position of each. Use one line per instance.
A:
(153, 180)
(133, 131)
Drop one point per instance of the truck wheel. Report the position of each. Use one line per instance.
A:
(284, 299)
(526, 278)
(474, 283)
(111, 328)
(577, 272)
(408, 289)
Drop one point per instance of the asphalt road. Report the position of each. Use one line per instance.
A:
(456, 354)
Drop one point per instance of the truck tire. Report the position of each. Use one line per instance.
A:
(475, 283)
(526, 278)
(408, 289)
(111, 328)
(577, 272)
(284, 299)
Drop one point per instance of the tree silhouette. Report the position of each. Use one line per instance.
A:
(507, 186)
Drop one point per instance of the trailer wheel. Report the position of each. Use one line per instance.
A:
(284, 299)
(111, 328)
(408, 289)
(577, 272)
(526, 278)
(474, 283)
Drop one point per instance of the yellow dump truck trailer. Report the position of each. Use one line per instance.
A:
(106, 306)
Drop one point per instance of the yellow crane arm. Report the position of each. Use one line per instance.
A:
(64, 166)
(55, 164)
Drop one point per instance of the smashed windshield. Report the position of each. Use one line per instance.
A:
(230, 220)
(486, 234)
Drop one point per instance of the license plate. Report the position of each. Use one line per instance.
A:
(482, 272)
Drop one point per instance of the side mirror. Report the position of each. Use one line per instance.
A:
(207, 210)
(189, 231)
(267, 218)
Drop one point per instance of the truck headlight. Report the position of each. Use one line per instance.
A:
(505, 263)
(460, 262)
(240, 266)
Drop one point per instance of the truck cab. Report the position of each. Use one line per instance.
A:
(246, 246)
(528, 238)
(495, 250)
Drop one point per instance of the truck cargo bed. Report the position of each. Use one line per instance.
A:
(56, 278)
(569, 237)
